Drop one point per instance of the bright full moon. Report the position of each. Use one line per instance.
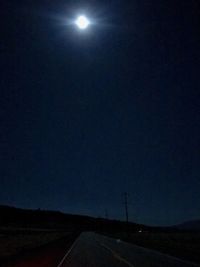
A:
(82, 22)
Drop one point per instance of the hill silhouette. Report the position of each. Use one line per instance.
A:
(189, 225)
(45, 219)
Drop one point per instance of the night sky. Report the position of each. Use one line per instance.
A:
(87, 116)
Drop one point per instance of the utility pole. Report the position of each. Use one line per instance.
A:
(125, 195)
(126, 205)
(106, 214)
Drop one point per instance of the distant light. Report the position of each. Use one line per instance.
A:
(82, 22)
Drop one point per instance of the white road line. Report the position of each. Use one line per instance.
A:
(117, 256)
(68, 252)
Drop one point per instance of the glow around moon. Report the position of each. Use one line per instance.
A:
(82, 22)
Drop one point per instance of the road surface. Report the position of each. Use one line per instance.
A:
(93, 250)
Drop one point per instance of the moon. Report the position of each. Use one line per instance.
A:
(82, 22)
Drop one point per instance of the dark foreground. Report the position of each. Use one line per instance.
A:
(49, 255)
(180, 244)
(94, 250)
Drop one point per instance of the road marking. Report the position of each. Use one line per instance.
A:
(117, 256)
(68, 252)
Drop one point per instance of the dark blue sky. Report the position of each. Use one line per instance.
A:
(86, 117)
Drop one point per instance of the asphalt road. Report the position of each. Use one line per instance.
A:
(93, 250)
